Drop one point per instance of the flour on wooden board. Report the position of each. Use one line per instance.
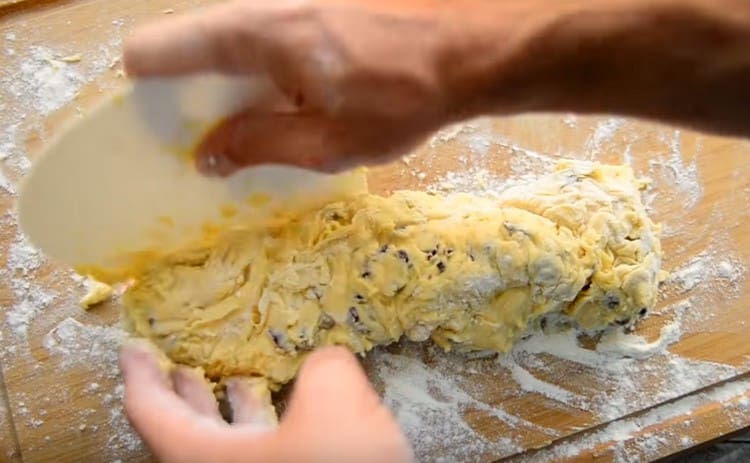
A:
(623, 364)
(430, 399)
(36, 81)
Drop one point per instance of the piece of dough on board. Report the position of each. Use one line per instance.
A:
(573, 248)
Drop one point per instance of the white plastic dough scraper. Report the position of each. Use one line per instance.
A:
(118, 183)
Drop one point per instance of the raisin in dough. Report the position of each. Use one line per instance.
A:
(573, 248)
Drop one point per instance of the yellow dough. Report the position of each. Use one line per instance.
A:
(97, 292)
(574, 248)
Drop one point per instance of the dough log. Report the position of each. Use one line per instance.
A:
(574, 248)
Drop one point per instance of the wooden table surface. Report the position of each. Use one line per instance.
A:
(61, 395)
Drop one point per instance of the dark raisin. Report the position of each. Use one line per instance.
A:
(384, 248)
(441, 267)
(304, 342)
(304, 345)
(403, 255)
(335, 216)
(366, 274)
(623, 321)
(326, 322)
(151, 321)
(353, 314)
(433, 253)
(612, 301)
(277, 337)
(359, 298)
(643, 312)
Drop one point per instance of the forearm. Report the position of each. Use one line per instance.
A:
(680, 61)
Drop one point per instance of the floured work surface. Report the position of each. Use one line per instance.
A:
(554, 393)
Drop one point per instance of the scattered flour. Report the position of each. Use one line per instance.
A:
(81, 344)
(54, 82)
(449, 133)
(673, 171)
(635, 428)
(570, 120)
(603, 133)
(618, 343)
(623, 365)
(715, 269)
(411, 389)
(35, 81)
(6, 185)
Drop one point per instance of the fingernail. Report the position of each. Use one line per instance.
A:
(215, 164)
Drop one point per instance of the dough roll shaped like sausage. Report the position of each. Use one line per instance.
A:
(572, 248)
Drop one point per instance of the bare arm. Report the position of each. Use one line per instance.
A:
(369, 79)
(679, 61)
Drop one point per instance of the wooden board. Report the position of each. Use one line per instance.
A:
(58, 361)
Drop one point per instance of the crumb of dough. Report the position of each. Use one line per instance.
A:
(97, 293)
(71, 58)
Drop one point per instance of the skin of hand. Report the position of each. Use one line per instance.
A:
(326, 58)
(367, 80)
(334, 415)
(362, 81)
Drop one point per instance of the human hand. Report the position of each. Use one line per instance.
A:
(363, 79)
(334, 414)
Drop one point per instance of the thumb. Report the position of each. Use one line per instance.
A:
(332, 377)
(336, 415)
(309, 140)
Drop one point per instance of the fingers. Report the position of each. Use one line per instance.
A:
(254, 138)
(332, 375)
(305, 139)
(154, 409)
(336, 415)
(202, 41)
(251, 404)
(193, 388)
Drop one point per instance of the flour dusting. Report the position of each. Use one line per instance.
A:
(674, 171)
(53, 81)
(603, 133)
(621, 365)
(44, 327)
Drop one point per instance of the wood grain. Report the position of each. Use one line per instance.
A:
(80, 422)
(9, 449)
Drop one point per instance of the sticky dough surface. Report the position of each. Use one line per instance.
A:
(572, 248)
